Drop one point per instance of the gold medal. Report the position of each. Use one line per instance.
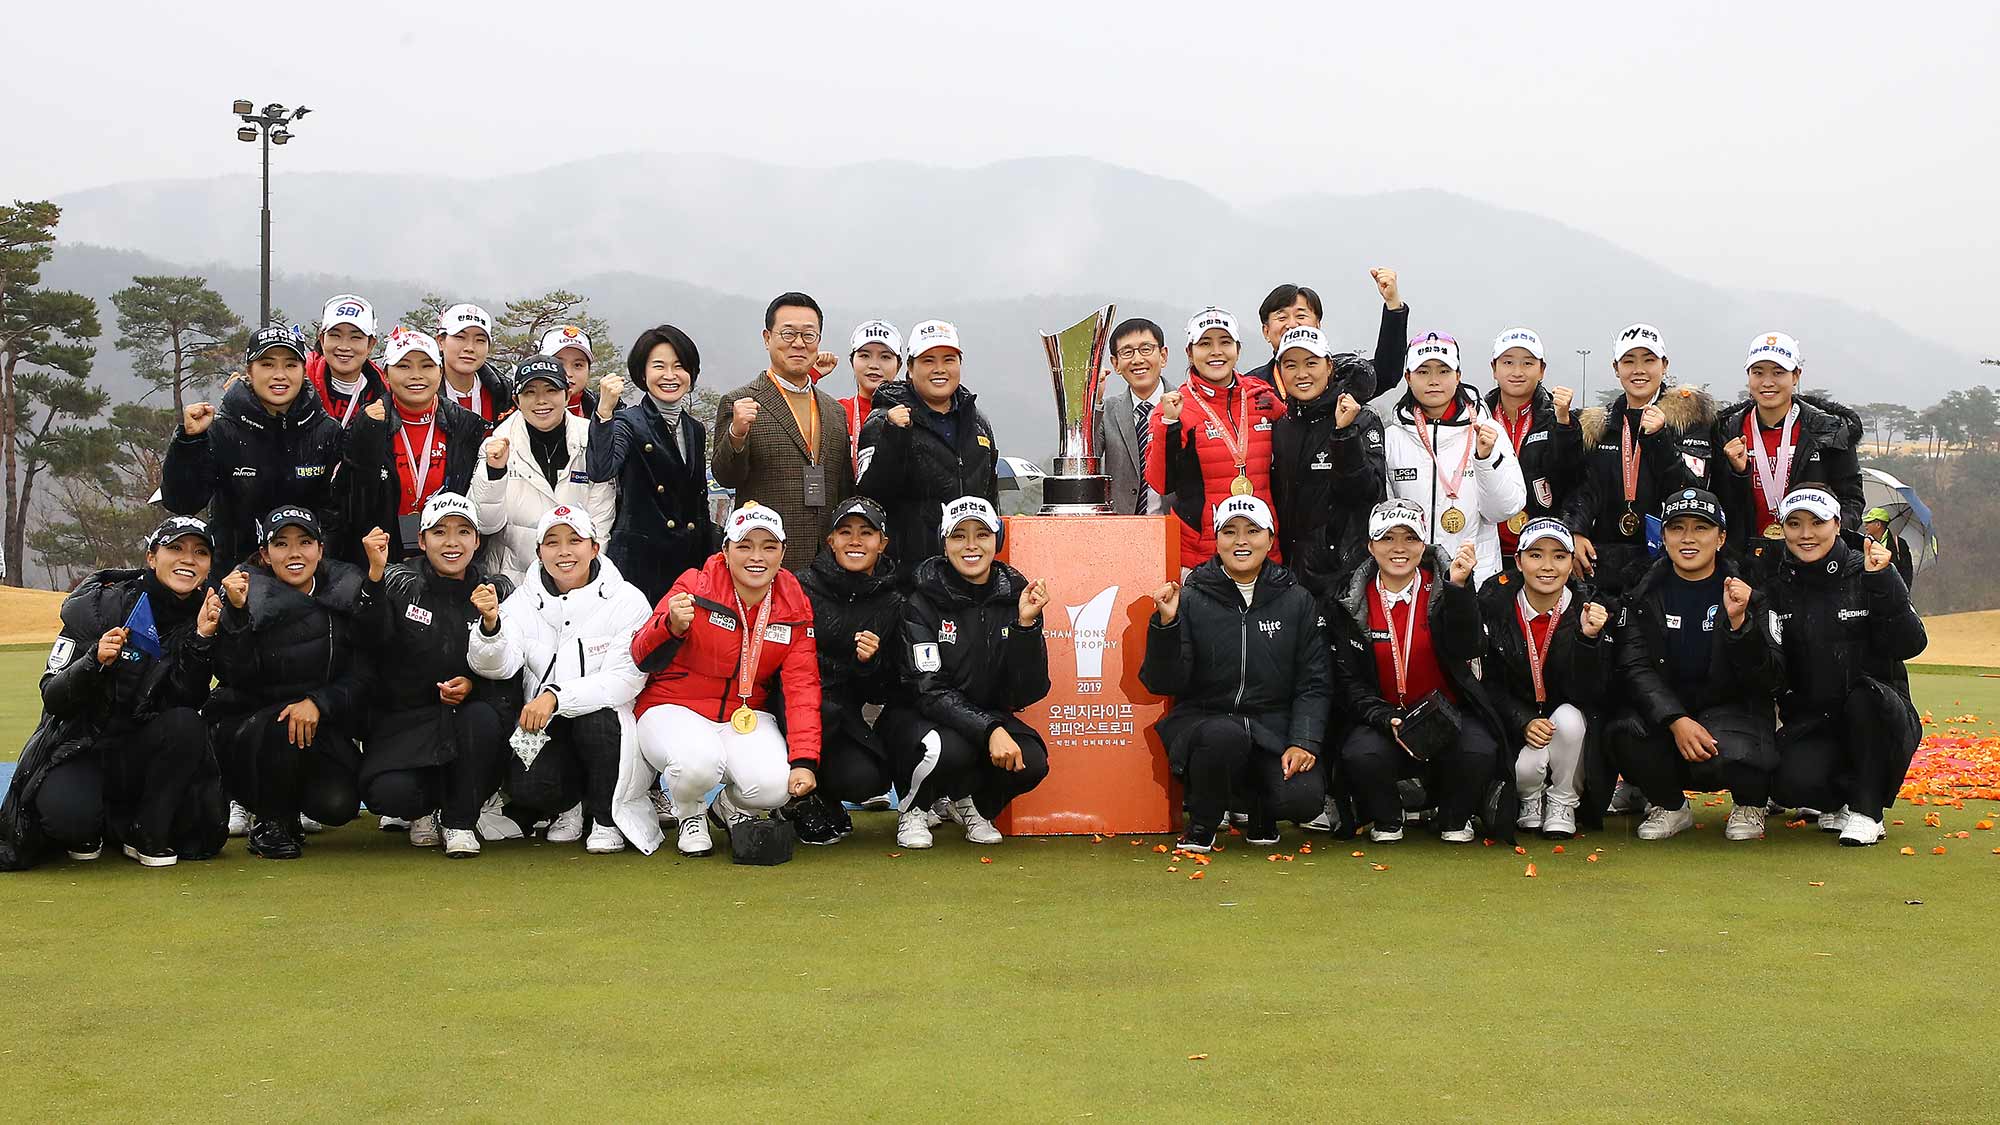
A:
(1452, 521)
(1628, 524)
(1773, 531)
(744, 720)
(1240, 486)
(1518, 521)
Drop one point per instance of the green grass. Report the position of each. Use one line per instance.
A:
(1686, 980)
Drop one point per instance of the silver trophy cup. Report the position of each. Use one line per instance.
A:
(1076, 484)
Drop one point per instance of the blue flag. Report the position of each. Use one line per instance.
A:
(145, 634)
(1656, 538)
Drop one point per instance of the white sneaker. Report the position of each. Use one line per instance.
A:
(1834, 821)
(878, 804)
(460, 843)
(424, 832)
(87, 854)
(1531, 813)
(495, 824)
(1745, 823)
(567, 828)
(1324, 821)
(663, 805)
(604, 840)
(1460, 835)
(1661, 823)
(978, 829)
(393, 824)
(1861, 831)
(310, 826)
(239, 820)
(694, 835)
(1381, 835)
(942, 810)
(913, 829)
(1560, 823)
(729, 812)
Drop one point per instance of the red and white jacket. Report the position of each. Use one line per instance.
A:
(1190, 460)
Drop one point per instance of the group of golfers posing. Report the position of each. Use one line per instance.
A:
(492, 605)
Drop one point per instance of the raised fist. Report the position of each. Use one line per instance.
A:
(195, 419)
(210, 618)
(1170, 407)
(1463, 562)
(1345, 411)
(1487, 436)
(1735, 599)
(680, 613)
(1652, 418)
(1168, 598)
(376, 410)
(1593, 619)
(496, 452)
(236, 587)
(1385, 284)
(1564, 397)
(1032, 600)
(610, 390)
(1738, 454)
(1878, 557)
(741, 415)
(825, 363)
(899, 417)
(866, 645)
(375, 545)
(486, 600)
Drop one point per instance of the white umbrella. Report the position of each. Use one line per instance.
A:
(1909, 516)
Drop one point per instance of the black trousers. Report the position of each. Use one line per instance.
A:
(1648, 758)
(1372, 763)
(1856, 756)
(579, 763)
(929, 761)
(141, 780)
(1225, 766)
(850, 771)
(456, 788)
(277, 781)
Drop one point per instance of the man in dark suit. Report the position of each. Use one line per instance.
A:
(1139, 354)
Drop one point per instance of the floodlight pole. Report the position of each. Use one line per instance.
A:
(270, 126)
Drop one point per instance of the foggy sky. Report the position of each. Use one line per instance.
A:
(1839, 149)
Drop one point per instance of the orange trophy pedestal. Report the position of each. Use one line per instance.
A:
(1107, 769)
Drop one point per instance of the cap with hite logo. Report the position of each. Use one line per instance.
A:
(1388, 515)
(1546, 529)
(1212, 317)
(1696, 502)
(1247, 507)
(403, 342)
(968, 508)
(1304, 336)
(1431, 345)
(1775, 347)
(546, 368)
(565, 336)
(1639, 336)
(458, 318)
(1519, 338)
(753, 516)
(565, 515)
(875, 332)
(348, 309)
(445, 504)
(270, 339)
(179, 527)
(934, 334)
(1816, 501)
(865, 508)
(290, 515)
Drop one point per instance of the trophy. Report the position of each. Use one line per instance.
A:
(1075, 484)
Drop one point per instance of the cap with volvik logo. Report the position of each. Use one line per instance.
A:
(458, 318)
(348, 309)
(1212, 317)
(179, 527)
(1388, 515)
(270, 339)
(290, 515)
(445, 504)
(1775, 347)
(1248, 507)
(1431, 345)
(1696, 502)
(875, 332)
(1639, 336)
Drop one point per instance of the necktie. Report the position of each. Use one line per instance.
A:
(1142, 413)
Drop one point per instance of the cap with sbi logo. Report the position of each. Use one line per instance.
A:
(1775, 347)
(1696, 502)
(348, 309)
(1429, 346)
(1248, 507)
(289, 515)
(1524, 338)
(1639, 336)
(875, 332)
(1212, 317)
(270, 339)
(179, 527)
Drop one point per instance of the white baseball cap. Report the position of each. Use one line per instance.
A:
(1212, 317)
(1249, 507)
(1546, 528)
(933, 334)
(750, 517)
(564, 336)
(1818, 501)
(1307, 337)
(447, 504)
(348, 309)
(403, 341)
(1776, 347)
(969, 508)
(1389, 514)
(577, 519)
(1519, 338)
(1639, 336)
(1431, 345)
(875, 332)
(458, 318)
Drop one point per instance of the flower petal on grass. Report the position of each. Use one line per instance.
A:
(986, 859)
(1530, 872)
(1907, 851)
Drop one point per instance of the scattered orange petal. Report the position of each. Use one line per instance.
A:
(1171, 867)
(1357, 855)
(1800, 823)
(1932, 820)
(1160, 848)
(1196, 1058)
(986, 859)
(1896, 823)
(1591, 858)
(1109, 832)
(1984, 826)
(1202, 860)
(1219, 847)
(1939, 850)
(1817, 883)
(1918, 801)
(1487, 843)
(1379, 866)
(1908, 851)
(1530, 872)
(895, 855)
(1963, 835)
(1305, 849)
(1097, 839)
(1274, 857)
(1137, 843)
(1198, 874)
(1559, 849)
(1235, 831)
(1519, 850)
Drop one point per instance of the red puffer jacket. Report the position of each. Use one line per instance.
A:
(372, 388)
(1191, 460)
(698, 671)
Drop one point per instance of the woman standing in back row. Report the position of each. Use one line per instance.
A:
(656, 451)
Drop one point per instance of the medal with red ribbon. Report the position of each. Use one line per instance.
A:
(745, 720)
(1538, 657)
(1452, 521)
(1771, 472)
(1628, 464)
(1237, 444)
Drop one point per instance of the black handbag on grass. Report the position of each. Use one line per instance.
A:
(1430, 727)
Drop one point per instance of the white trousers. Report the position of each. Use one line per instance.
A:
(1554, 768)
(695, 754)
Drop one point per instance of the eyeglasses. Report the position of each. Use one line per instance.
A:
(798, 336)
(1137, 351)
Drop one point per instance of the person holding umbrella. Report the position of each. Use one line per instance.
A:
(1875, 528)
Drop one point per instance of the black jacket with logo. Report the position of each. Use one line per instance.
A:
(1837, 622)
(1324, 480)
(1824, 451)
(250, 461)
(1678, 455)
(913, 473)
(285, 645)
(374, 489)
(1575, 668)
(421, 639)
(845, 603)
(966, 663)
(1551, 455)
(1745, 671)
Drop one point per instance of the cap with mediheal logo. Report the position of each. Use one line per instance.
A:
(1211, 317)
(1431, 345)
(404, 341)
(1387, 515)
(447, 504)
(566, 336)
(1776, 347)
(753, 516)
(875, 332)
(1696, 502)
(575, 518)
(1304, 336)
(1519, 338)
(1546, 528)
(348, 309)
(458, 318)
(968, 508)
(1248, 507)
(1639, 336)
(276, 336)
(1817, 501)
(934, 334)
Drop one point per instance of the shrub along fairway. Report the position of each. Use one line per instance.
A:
(1692, 979)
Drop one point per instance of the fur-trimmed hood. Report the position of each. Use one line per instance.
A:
(1686, 407)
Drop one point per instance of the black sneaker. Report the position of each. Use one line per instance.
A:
(150, 854)
(843, 824)
(810, 818)
(1262, 831)
(1197, 838)
(271, 840)
(85, 852)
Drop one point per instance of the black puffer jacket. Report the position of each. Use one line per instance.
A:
(286, 645)
(1836, 622)
(1264, 663)
(1575, 668)
(1745, 672)
(663, 528)
(913, 473)
(1324, 479)
(1551, 455)
(1679, 455)
(965, 661)
(1457, 639)
(250, 461)
(374, 489)
(1825, 442)
(422, 634)
(84, 702)
(845, 603)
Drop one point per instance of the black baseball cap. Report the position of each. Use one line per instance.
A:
(546, 368)
(865, 508)
(1695, 502)
(290, 515)
(276, 336)
(179, 527)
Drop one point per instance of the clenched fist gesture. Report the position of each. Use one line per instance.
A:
(610, 390)
(1593, 619)
(1738, 454)
(1170, 407)
(496, 452)
(1878, 557)
(1345, 411)
(486, 600)
(1385, 284)
(680, 613)
(1032, 600)
(376, 410)
(866, 645)
(899, 417)
(210, 617)
(111, 644)
(1651, 419)
(236, 587)
(1564, 397)
(1487, 436)
(1168, 598)
(1463, 563)
(195, 419)
(825, 363)
(375, 545)
(741, 414)
(1735, 599)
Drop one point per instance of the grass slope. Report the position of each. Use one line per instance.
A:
(1065, 979)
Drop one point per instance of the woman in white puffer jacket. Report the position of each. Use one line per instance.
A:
(534, 461)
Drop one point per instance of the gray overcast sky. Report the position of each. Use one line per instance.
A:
(1837, 148)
